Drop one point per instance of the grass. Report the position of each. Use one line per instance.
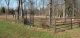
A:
(10, 29)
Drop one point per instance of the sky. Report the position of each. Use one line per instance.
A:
(13, 3)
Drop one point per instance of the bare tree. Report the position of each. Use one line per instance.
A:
(1, 5)
(31, 11)
(20, 14)
(50, 11)
(7, 3)
(70, 9)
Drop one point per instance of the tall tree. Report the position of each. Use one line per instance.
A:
(7, 3)
(0, 5)
(20, 10)
(31, 4)
(70, 9)
(50, 12)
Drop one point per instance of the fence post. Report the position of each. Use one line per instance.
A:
(71, 24)
(55, 26)
(79, 24)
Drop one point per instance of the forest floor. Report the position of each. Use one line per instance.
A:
(10, 29)
(13, 30)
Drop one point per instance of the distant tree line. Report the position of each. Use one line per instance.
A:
(3, 10)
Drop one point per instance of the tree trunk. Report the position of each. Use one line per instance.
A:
(50, 20)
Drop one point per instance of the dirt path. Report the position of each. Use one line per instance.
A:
(8, 16)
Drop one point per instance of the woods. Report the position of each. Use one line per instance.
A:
(42, 13)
